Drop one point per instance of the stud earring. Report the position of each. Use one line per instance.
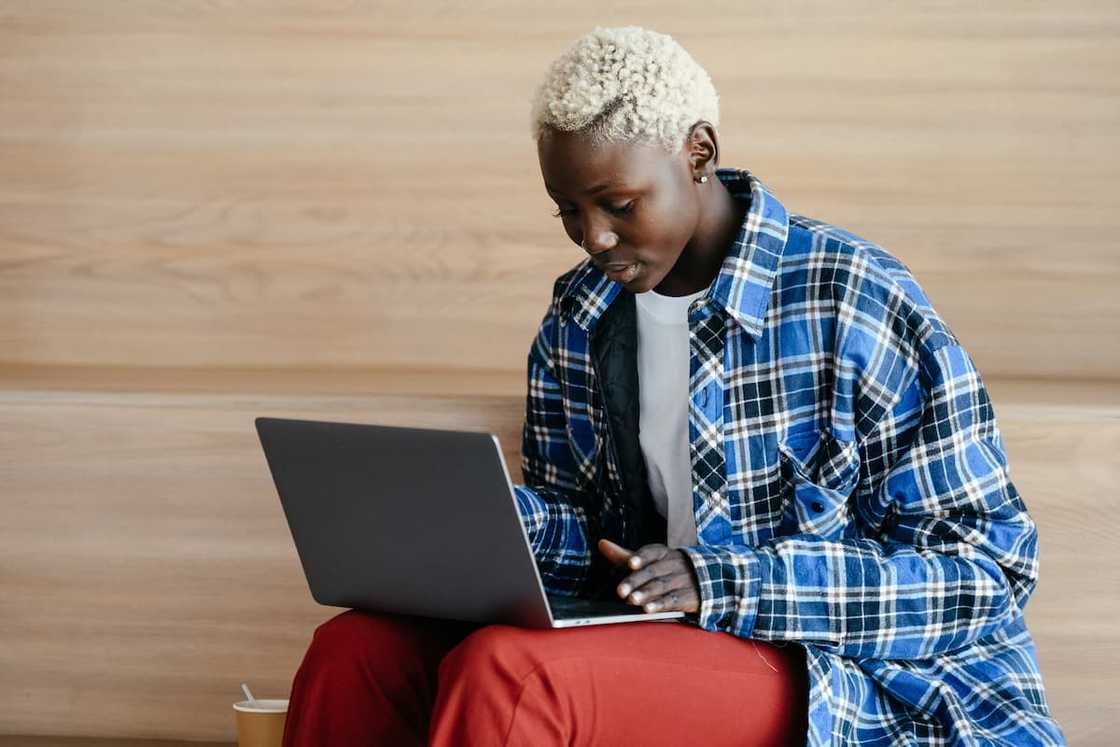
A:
(702, 179)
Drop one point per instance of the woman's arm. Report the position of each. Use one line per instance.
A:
(553, 508)
(956, 559)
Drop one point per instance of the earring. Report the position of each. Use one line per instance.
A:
(702, 179)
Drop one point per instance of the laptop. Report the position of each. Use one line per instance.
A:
(416, 521)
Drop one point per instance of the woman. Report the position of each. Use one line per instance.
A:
(755, 418)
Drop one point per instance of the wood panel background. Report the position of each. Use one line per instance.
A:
(344, 184)
(215, 209)
(147, 569)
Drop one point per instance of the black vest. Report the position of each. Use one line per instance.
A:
(614, 354)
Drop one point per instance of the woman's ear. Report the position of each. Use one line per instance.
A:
(701, 148)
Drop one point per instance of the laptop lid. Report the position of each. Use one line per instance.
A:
(406, 520)
(411, 520)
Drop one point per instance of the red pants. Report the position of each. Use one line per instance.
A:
(380, 679)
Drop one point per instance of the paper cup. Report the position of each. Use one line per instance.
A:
(262, 726)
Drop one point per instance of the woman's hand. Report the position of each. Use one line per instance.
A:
(662, 580)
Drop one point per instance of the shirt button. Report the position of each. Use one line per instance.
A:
(817, 506)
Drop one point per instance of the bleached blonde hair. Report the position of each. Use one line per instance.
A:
(626, 84)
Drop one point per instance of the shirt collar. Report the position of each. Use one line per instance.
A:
(745, 278)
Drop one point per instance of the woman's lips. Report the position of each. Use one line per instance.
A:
(623, 274)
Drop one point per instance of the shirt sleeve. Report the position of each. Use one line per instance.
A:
(553, 507)
(955, 558)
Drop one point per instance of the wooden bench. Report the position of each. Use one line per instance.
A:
(147, 568)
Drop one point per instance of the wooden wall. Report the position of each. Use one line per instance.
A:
(212, 210)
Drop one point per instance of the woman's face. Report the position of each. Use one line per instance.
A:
(633, 208)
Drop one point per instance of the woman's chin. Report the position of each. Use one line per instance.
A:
(643, 281)
(637, 281)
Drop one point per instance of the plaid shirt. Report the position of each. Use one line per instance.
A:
(850, 483)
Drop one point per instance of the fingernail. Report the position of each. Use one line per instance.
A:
(624, 589)
(635, 562)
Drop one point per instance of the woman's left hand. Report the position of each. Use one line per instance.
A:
(662, 580)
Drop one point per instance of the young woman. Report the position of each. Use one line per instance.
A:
(737, 412)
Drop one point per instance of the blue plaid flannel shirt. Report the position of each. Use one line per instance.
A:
(850, 484)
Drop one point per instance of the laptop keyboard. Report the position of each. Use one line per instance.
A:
(565, 607)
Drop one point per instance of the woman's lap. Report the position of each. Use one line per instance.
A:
(651, 682)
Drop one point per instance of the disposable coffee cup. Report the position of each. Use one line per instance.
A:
(261, 725)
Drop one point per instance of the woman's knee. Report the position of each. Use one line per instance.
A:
(478, 684)
(352, 628)
(357, 639)
(382, 642)
(492, 648)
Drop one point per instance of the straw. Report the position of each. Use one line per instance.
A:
(249, 695)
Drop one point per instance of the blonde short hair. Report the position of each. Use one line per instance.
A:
(625, 84)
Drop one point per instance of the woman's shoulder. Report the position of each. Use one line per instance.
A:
(859, 280)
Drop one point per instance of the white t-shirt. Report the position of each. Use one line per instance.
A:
(663, 353)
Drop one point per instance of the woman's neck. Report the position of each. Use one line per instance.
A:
(721, 219)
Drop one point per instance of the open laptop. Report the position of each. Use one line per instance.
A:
(416, 521)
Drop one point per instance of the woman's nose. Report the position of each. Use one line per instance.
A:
(598, 239)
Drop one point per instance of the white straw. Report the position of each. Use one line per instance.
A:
(249, 695)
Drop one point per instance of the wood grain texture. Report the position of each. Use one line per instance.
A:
(147, 568)
(300, 381)
(238, 184)
(1066, 470)
(217, 209)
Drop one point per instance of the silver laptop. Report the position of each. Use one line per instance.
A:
(416, 521)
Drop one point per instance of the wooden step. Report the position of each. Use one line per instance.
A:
(148, 570)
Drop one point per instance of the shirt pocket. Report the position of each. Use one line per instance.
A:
(819, 476)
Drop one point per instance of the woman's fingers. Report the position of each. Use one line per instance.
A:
(647, 554)
(643, 556)
(672, 563)
(660, 586)
(683, 600)
(662, 580)
(615, 553)
(667, 584)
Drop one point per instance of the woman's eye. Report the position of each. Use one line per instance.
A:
(623, 210)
